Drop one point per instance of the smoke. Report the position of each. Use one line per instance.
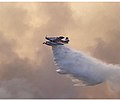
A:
(108, 51)
(23, 71)
(60, 17)
(107, 45)
(27, 69)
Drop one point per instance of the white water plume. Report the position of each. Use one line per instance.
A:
(85, 70)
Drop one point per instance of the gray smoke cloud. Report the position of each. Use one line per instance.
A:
(107, 47)
(27, 69)
(24, 74)
(60, 17)
(108, 52)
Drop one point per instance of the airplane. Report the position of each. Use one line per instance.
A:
(54, 39)
(58, 39)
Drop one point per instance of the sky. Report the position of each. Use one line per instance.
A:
(27, 69)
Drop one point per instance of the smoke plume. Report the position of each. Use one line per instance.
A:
(27, 69)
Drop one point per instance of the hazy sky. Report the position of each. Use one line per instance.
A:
(27, 69)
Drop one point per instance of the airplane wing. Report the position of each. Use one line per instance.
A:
(52, 43)
(50, 38)
(54, 38)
